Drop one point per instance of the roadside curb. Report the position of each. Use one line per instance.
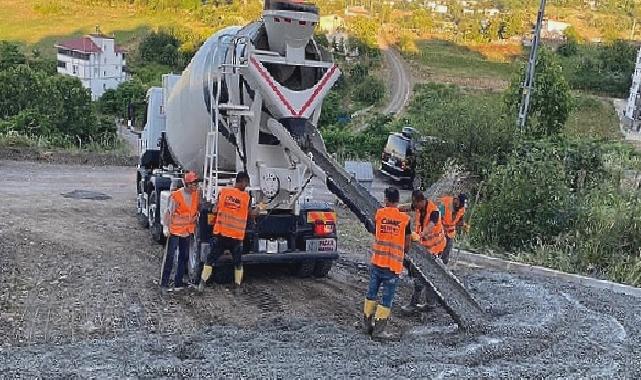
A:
(505, 265)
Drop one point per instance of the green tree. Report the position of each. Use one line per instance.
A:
(571, 45)
(160, 47)
(116, 102)
(21, 88)
(551, 100)
(10, 55)
(69, 107)
(466, 128)
(364, 29)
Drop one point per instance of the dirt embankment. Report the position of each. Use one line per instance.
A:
(79, 298)
(66, 157)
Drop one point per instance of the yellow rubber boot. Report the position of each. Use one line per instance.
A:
(368, 312)
(238, 276)
(204, 276)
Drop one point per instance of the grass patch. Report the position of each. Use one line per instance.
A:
(593, 118)
(43, 22)
(444, 57)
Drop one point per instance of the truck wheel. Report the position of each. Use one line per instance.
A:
(195, 267)
(305, 269)
(223, 274)
(143, 221)
(322, 268)
(154, 224)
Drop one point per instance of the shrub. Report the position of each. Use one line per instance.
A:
(526, 201)
(369, 91)
(551, 101)
(469, 129)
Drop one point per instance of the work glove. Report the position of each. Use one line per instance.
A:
(416, 237)
(165, 231)
(262, 208)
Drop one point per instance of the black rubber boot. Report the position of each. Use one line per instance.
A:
(382, 331)
(367, 325)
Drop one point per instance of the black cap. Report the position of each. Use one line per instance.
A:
(242, 176)
(392, 195)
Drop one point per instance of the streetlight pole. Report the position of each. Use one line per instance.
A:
(528, 82)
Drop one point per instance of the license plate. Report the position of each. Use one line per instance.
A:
(321, 245)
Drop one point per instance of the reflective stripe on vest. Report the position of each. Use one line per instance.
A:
(183, 219)
(231, 213)
(388, 249)
(450, 221)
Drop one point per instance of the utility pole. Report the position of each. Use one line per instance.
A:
(528, 82)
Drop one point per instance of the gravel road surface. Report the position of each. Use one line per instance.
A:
(78, 298)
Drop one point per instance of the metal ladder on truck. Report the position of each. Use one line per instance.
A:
(233, 113)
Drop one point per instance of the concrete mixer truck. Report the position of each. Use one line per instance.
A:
(248, 94)
(249, 101)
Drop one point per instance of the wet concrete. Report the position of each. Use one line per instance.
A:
(79, 298)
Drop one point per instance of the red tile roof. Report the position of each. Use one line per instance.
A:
(82, 44)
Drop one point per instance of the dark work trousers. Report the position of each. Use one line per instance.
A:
(422, 291)
(173, 242)
(445, 256)
(219, 244)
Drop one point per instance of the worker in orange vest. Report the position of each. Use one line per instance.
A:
(452, 210)
(232, 211)
(429, 232)
(392, 240)
(181, 217)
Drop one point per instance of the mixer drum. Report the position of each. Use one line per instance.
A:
(188, 117)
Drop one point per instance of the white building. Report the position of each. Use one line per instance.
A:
(439, 8)
(552, 29)
(96, 60)
(331, 24)
(632, 110)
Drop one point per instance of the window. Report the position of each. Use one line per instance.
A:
(75, 69)
(62, 64)
(104, 86)
(105, 73)
(397, 146)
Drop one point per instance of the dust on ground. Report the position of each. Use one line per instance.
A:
(79, 298)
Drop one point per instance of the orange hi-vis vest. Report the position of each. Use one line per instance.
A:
(435, 241)
(183, 219)
(389, 246)
(450, 221)
(429, 207)
(231, 213)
